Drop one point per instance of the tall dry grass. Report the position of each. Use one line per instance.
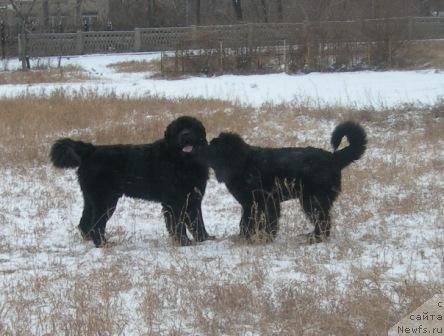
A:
(136, 66)
(29, 124)
(212, 61)
(144, 286)
(420, 55)
(68, 73)
(193, 302)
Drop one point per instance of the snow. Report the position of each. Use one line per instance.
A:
(40, 206)
(356, 89)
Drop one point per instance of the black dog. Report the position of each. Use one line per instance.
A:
(261, 178)
(165, 171)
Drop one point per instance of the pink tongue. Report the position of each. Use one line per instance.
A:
(187, 149)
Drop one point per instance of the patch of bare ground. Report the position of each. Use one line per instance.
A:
(68, 73)
(380, 264)
(136, 66)
(420, 55)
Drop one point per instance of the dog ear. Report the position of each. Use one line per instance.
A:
(232, 152)
(171, 132)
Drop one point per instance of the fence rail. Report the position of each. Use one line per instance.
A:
(241, 35)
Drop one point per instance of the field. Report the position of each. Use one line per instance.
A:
(385, 257)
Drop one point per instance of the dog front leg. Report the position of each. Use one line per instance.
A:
(195, 223)
(246, 223)
(86, 222)
(175, 223)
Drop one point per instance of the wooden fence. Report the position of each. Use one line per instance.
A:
(241, 35)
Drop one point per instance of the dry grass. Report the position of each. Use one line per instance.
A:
(94, 304)
(68, 73)
(136, 66)
(37, 121)
(182, 63)
(142, 285)
(420, 55)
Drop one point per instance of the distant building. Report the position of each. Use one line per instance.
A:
(55, 15)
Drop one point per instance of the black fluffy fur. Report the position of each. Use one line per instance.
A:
(160, 172)
(261, 178)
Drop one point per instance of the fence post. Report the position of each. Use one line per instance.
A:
(250, 31)
(22, 51)
(3, 38)
(194, 43)
(221, 60)
(79, 42)
(307, 38)
(390, 51)
(410, 28)
(20, 46)
(161, 62)
(137, 39)
(285, 55)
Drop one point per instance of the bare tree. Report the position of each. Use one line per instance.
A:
(22, 12)
(45, 10)
(3, 38)
(264, 10)
(198, 12)
(237, 5)
(192, 12)
(78, 14)
(280, 11)
(150, 10)
(22, 9)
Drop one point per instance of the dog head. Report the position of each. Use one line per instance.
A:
(185, 135)
(226, 154)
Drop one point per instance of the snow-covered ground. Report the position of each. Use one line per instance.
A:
(356, 89)
(388, 222)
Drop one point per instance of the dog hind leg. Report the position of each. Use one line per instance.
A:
(102, 212)
(272, 214)
(317, 209)
(246, 223)
(86, 221)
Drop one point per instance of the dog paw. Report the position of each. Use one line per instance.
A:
(313, 238)
(85, 236)
(99, 241)
(244, 235)
(207, 237)
(185, 241)
(101, 244)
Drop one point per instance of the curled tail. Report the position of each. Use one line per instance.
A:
(67, 153)
(357, 139)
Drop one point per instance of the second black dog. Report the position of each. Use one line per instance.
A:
(165, 171)
(261, 178)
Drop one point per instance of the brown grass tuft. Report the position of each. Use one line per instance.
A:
(69, 73)
(420, 55)
(136, 66)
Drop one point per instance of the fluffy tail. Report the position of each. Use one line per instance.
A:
(67, 153)
(357, 139)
